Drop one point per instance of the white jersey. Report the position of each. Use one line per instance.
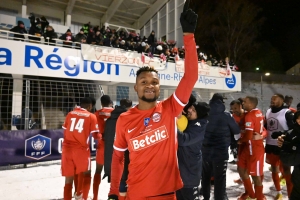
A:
(275, 122)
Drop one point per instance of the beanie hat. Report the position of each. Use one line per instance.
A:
(217, 96)
(68, 30)
(192, 100)
(81, 29)
(202, 109)
(20, 22)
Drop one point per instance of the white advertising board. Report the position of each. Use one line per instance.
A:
(41, 60)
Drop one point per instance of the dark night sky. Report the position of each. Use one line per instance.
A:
(282, 28)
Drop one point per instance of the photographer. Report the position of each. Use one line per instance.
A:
(289, 142)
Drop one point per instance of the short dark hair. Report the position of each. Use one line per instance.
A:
(93, 101)
(85, 102)
(253, 100)
(105, 100)
(241, 100)
(280, 96)
(235, 102)
(288, 97)
(126, 103)
(145, 69)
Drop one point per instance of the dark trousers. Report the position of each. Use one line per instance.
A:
(218, 171)
(295, 195)
(187, 194)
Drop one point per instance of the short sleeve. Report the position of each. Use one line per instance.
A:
(249, 122)
(120, 142)
(174, 105)
(93, 124)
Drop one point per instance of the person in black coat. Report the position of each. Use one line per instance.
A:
(19, 30)
(109, 137)
(189, 150)
(217, 139)
(50, 33)
(290, 142)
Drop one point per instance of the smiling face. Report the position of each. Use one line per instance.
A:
(147, 86)
(236, 109)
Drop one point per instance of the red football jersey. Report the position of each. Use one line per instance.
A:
(254, 121)
(151, 138)
(79, 124)
(102, 116)
(240, 120)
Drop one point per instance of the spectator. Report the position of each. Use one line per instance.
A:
(50, 34)
(44, 23)
(80, 36)
(31, 123)
(298, 106)
(108, 41)
(152, 41)
(189, 150)
(19, 30)
(288, 100)
(290, 143)
(109, 137)
(67, 38)
(35, 28)
(217, 139)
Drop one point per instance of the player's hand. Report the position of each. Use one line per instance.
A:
(239, 141)
(257, 136)
(280, 140)
(113, 197)
(188, 19)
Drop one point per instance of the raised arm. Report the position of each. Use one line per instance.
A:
(188, 20)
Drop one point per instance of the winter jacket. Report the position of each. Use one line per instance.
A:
(189, 152)
(291, 144)
(109, 137)
(20, 31)
(218, 132)
(51, 35)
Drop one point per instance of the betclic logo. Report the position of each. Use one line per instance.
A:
(149, 138)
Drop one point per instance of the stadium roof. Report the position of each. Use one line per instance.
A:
(129, 13)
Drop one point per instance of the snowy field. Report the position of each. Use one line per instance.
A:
(44, 182)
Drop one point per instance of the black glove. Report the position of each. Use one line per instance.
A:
(188, 19)
(113, 197)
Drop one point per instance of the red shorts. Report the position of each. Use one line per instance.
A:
(75, 161)
(253, 163)
(272, 159)
(100, 152)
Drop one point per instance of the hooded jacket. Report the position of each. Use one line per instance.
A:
(109, 138)
(218, 133)
(18, 29)
(189, 152)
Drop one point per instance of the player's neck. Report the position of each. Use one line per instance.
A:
(143, 105)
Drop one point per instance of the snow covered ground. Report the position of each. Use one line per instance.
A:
(44, 182)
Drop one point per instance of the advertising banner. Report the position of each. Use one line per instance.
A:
(21, 147)
(104, 64)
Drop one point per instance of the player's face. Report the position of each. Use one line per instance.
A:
(247, 104)
(147, 86)
(276, 101)
(191, 113)
(298, 120)
(289, 102)
(236, 109)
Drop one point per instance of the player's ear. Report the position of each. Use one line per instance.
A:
(135, 87)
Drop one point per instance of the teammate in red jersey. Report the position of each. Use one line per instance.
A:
(102, 116)
(251, 158)
(149, 131)
(79, 124)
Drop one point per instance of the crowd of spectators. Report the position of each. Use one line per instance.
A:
(105, 36)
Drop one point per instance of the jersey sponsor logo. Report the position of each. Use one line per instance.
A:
(156, 117)
(149, 138)
(146, 121)
(130, 130)
(37, 147)
(272, 124)
(248, 124)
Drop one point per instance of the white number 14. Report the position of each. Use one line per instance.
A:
(78, 126)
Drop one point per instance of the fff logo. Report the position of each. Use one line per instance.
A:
(37, 147)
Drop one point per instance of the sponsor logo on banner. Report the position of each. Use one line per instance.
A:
(38, 147)
(149, 139)
(156, 117)
(230, 82)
